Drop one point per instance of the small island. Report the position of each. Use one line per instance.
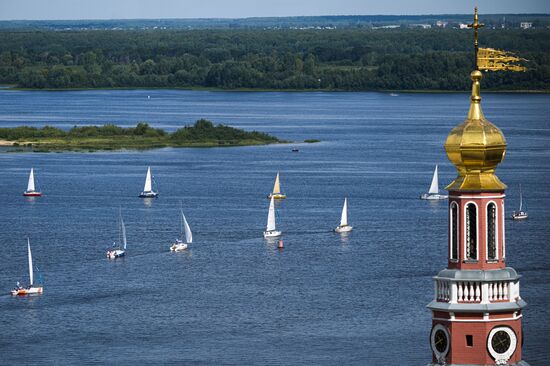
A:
(111, 137)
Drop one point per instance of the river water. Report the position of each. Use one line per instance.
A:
(233, 298)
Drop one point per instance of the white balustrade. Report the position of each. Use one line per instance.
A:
(475, 291)
(443, 290)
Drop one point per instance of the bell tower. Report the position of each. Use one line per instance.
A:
(477, 307)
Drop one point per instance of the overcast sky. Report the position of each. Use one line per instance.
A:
(129, 9)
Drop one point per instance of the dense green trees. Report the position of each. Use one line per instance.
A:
(347, 59)
(202, 133)
(108, 130)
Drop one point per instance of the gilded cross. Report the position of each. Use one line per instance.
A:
(476, 25)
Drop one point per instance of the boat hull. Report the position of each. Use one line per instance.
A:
(27, 291)
(277, 196)
(433, 197)
(114, 254)
(32, 194)
(178, 247)
(272, 234)
(343, 229)
(148, 194)
(522, 215)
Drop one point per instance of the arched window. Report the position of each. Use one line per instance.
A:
(491, 231)
(454, 231)
(503, 239)
(471, 231)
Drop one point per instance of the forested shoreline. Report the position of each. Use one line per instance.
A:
(346, 59)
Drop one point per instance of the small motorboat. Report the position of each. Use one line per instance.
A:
(295, 150)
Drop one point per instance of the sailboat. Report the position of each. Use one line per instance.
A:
(33, 288)
(520, 214)
(31, 190)
(277, 190)
(148, 187)
(179, 244)
(433, 193)
(344, 227)
(117, 251)
(271, 230)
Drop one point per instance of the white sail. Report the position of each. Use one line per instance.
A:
(271, 216)
(30, 185)
(277, 185)
(520, 199)
(434, 188)
(187, 229)
(344, 218)
(148, 186)
(123, 228)
(31, 274)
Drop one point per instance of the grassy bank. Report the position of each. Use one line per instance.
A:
(110, 137)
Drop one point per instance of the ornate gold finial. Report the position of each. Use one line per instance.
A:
(475, 25)
(475, 111)
(476, 146)
(489, 59)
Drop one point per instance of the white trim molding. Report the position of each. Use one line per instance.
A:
(503, 231)
(478, 197)
(451, 239)
(497, 219)
(502, 358)
(453, 319)
(466, 226)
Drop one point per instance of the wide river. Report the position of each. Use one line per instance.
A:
(233, 298)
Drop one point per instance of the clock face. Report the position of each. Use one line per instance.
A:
(501, 344)
(501, 341)
(440, 340)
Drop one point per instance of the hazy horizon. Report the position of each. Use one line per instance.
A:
(192, 9)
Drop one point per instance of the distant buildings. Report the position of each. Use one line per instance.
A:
(441, 24)
(525, 25)
(423, 26)
(390, 26)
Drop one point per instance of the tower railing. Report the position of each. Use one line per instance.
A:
(476, 292)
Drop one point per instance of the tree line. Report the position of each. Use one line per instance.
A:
(201, 131)
(346, 59)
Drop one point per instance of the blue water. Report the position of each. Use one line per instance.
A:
(233, 298)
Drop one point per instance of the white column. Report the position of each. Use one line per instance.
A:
(484, 293)
(506, 291)
(454, 295)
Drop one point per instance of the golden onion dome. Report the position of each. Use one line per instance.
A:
(476, 147)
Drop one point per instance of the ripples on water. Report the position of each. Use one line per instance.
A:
(233, 298)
